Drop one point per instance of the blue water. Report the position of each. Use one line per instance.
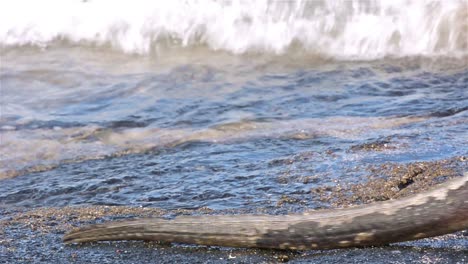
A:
(221, 131)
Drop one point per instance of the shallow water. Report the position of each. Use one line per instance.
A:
(202, 128)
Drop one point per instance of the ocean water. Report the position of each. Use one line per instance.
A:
(223, 104)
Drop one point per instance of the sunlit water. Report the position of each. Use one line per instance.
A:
(181, 117)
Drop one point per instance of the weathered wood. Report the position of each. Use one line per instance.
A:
(437, 212)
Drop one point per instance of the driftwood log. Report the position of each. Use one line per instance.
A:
(439, 211)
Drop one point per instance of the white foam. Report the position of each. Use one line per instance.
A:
(339, 29)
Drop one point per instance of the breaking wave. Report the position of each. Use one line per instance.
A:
(347, 29)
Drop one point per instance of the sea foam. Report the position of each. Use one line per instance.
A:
(337, 29)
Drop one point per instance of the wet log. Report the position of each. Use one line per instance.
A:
(436, 212)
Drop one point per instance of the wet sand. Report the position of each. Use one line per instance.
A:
(33, 235)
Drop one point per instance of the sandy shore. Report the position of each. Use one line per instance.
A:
(33, 235)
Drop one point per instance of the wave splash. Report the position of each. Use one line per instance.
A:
(338, 29)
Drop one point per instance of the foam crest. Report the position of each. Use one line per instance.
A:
(337, 29)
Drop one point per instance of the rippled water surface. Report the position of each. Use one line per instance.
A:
(194, 128)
